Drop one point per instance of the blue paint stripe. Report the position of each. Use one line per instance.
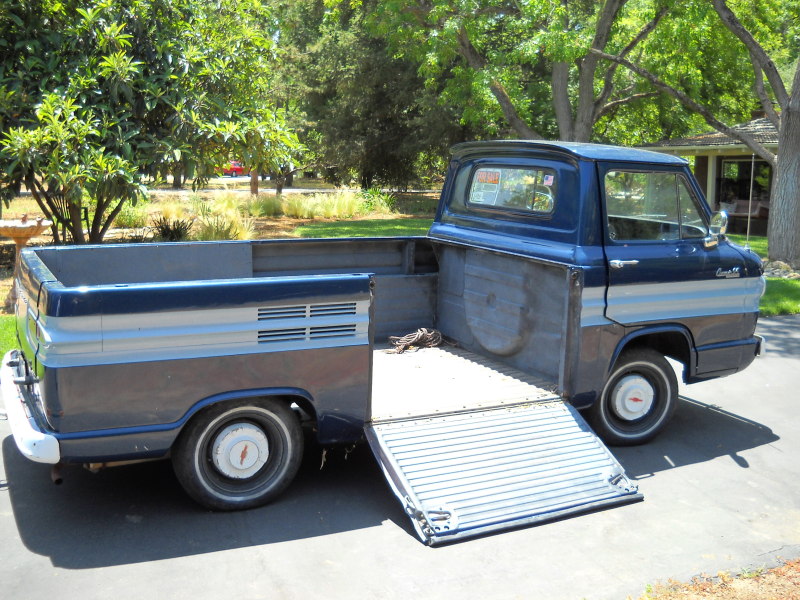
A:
(58, 301)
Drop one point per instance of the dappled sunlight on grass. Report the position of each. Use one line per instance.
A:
(366, 228)
(781, 298)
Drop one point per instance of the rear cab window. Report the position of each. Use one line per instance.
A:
(521, 189)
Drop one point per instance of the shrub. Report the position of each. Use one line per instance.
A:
(376, 200)
(264, 205)
(171, 230)
(298, 207)
(132, 217)
(222, 221)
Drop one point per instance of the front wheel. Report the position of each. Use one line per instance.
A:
(638, 399)
(239, 455)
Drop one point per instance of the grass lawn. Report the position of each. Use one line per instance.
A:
(781, 298)
(8, 334)
(757, 243)
(365, 228)
(783, 295)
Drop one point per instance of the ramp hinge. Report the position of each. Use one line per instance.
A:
(439, 520)
(619, 481)
(419, 516)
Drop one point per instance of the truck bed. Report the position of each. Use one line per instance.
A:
(431, 381)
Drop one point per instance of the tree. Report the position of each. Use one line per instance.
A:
(535, 58)
(365, 114)
(96, 95)
(776, 24)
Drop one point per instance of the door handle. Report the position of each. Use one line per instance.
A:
(618, 264)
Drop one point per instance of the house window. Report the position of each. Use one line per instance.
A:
(735, 181)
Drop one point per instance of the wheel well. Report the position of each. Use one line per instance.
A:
(672, 344)
(306, 406)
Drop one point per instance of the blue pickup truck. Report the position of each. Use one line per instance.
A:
(560, 276)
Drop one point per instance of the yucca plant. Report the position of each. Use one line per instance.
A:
(171, 230)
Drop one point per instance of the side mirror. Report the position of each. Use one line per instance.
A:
(717, 228)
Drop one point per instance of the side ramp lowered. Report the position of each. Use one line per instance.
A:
(471, 472)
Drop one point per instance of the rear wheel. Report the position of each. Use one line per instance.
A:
(638, 399)
(239, 455)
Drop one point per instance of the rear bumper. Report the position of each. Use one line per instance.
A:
(761, 345)
(34, 443)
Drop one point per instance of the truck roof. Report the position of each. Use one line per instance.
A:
(578, 149)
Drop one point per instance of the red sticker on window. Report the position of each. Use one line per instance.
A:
(489, 177)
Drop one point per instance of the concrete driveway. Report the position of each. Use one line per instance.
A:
(721, 486)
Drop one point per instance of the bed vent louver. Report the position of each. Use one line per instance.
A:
(306, 316)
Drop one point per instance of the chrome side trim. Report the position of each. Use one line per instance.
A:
(636, 303)
(147, 337)
(593, 307)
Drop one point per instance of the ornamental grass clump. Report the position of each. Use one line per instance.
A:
(222, 219)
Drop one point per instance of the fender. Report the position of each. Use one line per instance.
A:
(240, 394)
(155, 441)
(687, 355)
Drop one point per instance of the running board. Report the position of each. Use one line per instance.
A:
(469, 473)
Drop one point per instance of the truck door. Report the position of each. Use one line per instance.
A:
(659, 265)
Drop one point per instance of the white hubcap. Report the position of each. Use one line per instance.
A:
(632, 397)
(240, 450)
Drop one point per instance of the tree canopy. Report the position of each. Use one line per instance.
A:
(97, 96)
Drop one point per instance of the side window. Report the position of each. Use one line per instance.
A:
(525, 189)
(650, 206)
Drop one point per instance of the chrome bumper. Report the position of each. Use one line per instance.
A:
(32, 442)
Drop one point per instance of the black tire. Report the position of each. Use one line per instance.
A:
(238, 455)
(638, 400)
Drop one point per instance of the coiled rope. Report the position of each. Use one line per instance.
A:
(422, 338)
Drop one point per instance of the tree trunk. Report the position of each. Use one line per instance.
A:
(76, 222)
(177, 177)
(254, 182)
(478, 62)
(783, 231)
(561, 103)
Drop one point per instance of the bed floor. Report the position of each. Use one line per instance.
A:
(430, 381)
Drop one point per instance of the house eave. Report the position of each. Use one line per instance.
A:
(709, 150)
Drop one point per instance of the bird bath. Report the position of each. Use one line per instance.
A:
(20, 231)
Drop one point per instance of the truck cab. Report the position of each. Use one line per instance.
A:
(657, 276)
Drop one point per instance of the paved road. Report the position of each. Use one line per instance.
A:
(721, 486)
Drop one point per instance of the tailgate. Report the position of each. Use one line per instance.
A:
(468, 473)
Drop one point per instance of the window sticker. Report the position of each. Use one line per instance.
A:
(485, 187)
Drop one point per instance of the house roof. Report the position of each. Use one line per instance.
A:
(761, 129)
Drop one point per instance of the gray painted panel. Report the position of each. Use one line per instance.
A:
(154, 393)
(473, 472)
(403, 304)
(327, 256)
(148, 263)
(508, 306)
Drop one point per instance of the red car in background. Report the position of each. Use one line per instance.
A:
(234, 169)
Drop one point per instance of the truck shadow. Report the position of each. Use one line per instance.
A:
(698, 432)
(139, 513)
(781, 334)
